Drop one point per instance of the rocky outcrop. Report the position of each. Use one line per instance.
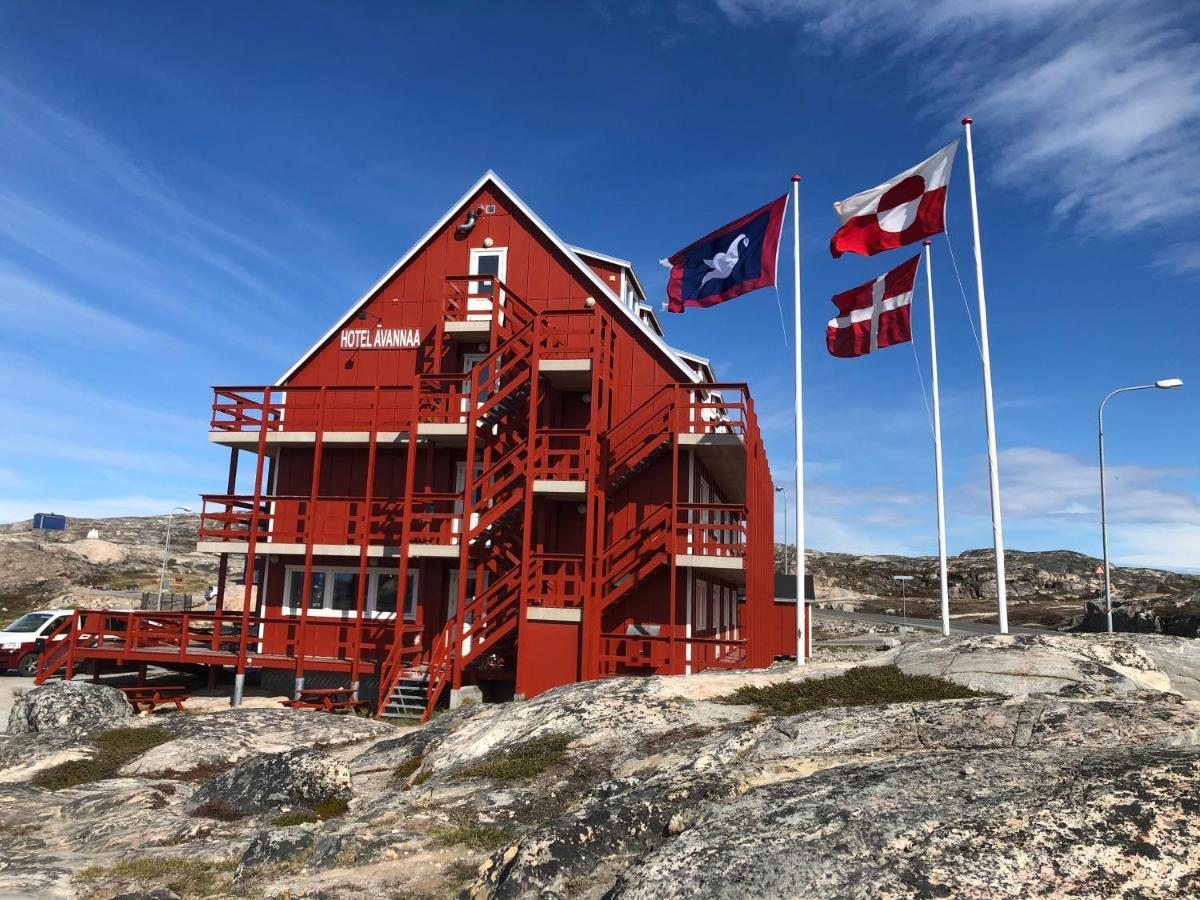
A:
(1076, 775)
(278, 782)
(63, 704)
(1023, 664)
(1179, 616)
(1097, 823)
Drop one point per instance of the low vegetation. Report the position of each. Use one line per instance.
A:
(406, 769)
(186, 876)
(219, 810)
(523, 760)
(860, 686)
(470, 833)
(331, 808)
(114, 748)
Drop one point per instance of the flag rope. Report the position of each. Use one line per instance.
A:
(920, 377)
(782, 323)
(962, 291)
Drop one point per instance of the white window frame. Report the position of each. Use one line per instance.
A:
(481, 310)
(701, 606)
(369, 601)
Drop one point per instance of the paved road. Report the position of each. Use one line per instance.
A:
(956, 626)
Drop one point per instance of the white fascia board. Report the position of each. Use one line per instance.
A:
(566, 250)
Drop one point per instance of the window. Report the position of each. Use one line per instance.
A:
(29, 622)
(385, 595)
(701, 606)
(345, 591)
(335, 593)
(316, 598)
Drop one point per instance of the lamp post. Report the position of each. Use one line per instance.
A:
(162, 578)
(1162, 384)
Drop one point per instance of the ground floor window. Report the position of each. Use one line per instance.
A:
(333, 591)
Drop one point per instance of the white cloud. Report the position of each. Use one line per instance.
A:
(1096, 102)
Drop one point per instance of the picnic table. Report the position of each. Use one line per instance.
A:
(151, 696)
(327, 699)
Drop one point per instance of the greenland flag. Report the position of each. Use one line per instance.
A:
(873, 315)
(908, 208)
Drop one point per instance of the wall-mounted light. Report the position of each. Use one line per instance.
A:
(589, 302)
(487, 242)
(581, 508)
(586, 398)
(274, 558)
(362, 317)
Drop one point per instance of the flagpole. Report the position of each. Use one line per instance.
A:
(800, 561)
(989, 412)
(937, 446)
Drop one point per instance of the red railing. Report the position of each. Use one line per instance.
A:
(570, 333)
(635, 650)
(476, 298)
(297, 519)
(711, 529)
(251, 409)
(555, 579)
(436, 518)
(214, 637)
(633, 555)
(563, 454)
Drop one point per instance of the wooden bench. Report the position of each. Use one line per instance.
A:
(151, 696)
(326, 699)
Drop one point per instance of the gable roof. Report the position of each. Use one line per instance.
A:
(490, 177)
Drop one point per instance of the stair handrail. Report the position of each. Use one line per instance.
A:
(44, 667)
(633, 548)
(439, 667)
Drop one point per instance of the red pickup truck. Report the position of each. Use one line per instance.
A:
(19, 641)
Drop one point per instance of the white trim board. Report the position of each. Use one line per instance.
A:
(490, 177)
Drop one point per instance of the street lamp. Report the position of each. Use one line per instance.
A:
(787, 569)
(1162, 384)
(162, 578)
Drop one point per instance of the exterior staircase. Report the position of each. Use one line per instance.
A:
(409, 696)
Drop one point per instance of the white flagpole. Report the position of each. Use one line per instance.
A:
(989, 413)
(800, 599)
(937, 447)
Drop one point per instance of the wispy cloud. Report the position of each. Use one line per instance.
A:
(1097, 102)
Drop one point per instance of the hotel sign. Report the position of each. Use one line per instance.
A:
(380, 338)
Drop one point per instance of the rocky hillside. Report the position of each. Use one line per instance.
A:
(1047, 574)
(968, 767)
(37, 566)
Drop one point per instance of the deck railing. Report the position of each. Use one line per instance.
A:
(711, 529)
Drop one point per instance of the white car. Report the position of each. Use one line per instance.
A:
(18, 642)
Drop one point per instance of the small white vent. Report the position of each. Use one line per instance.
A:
(490, 209)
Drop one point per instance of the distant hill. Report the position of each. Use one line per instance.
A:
(38, 566)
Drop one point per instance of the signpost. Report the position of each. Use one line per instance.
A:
(903, 598)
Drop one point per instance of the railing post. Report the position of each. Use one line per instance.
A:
(251, 546)
(365, 537)
(310, 517)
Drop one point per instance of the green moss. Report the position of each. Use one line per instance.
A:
(114, 748)
(187, 876)
(861, 686)
(406, 769)
(470, 833)
(330, 808)
(524, 760)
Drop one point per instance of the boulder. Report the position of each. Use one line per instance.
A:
(64, 704)
(1023, 664)
(278, 782)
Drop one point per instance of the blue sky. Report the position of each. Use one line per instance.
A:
(188, 199)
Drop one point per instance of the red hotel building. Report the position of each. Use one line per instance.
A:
(492, 470)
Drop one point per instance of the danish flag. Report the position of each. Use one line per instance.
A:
(908, 208)
(873, 315)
